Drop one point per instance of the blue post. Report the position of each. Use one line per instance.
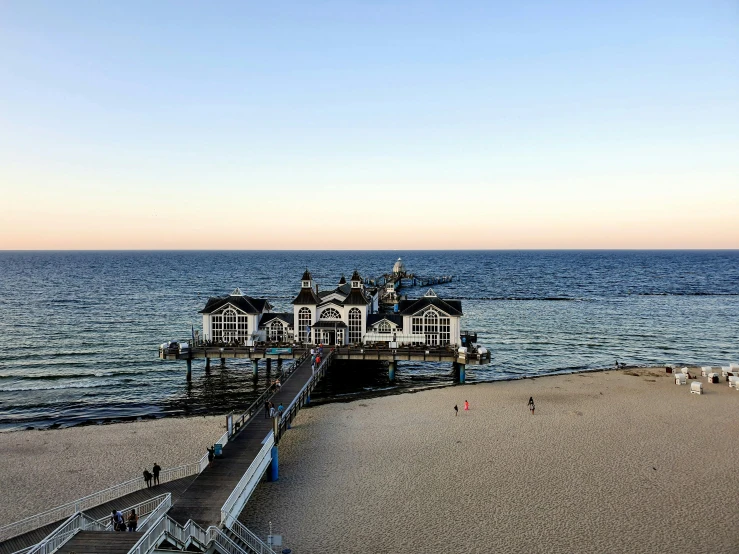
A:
(274, 474)
(255, 367)
(461, 373)
(307, 399)
(391, 371)
(189, 370)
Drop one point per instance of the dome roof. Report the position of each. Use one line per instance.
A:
(399, 266)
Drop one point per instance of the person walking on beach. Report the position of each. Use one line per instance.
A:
(466, 406)
(155, 470)
(147, 478)
(531, 404)
(456, 410)
(133, 521)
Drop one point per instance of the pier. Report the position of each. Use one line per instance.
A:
(351, 322)
(193, 514)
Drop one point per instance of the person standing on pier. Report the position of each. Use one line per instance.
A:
(133, 521)
(266, 408)
(147, 478)
(280, 409)
(271, 410)
(313, 355)
(155, 470)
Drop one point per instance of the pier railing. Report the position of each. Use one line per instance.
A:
(257, 405)
(242, 491)
(75, 523)
(300, 399)
(249, 538)
(96, 499)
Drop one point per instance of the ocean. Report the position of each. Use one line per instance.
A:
(79, 331)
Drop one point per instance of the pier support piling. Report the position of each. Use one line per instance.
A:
(255, 367)
(274, 473)
(207, 364)
(223, 362)
(461, 373)
(189, 370)
(269, 365)
(391, 370)
(279, 365)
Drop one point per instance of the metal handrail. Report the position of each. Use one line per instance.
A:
(289, 414)
(72, 525)
(145, 508)
(97, 498)
(227, 514)
(249, 538)
(218, 536)
(166, 526)
(255, 406)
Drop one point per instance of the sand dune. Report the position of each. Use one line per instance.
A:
(611, 462)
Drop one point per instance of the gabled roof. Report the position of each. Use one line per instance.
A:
(287, 318)
(326, 303)
(373, 319)
(307, 296)
(244, 303)
(356, 298)
(411, 306)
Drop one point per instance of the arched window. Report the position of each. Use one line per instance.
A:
(330, 313)
(276, 331)
(431, 327)
(229, 325)
(304, 321)
(383, 327)
(355, 325)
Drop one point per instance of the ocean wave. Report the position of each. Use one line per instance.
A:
(686, 293)
(57, 387)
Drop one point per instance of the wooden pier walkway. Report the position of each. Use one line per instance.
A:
(176, 487)
(204, 498)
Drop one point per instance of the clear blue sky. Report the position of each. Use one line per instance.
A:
(493, 124)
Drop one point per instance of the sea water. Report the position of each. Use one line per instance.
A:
(79, 331)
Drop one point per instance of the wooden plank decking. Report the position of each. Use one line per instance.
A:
(203, 499)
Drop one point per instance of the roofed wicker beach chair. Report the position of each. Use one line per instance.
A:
(696, 387)
(685, 370)
(681, 378)
(705, 370)
(725, 369)
(733, 381)
(713, 377)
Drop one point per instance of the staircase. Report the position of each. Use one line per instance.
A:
(100, 542)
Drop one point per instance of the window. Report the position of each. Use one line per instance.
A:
(243, 328)
(330, 313)
(383, 327)
(355, 325)
(229, 325)
(444, 331)
(304, 321)
(417, 326)
(217, 328)
(276, 331)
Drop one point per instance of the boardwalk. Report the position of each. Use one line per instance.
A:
(203, 499)
(176, 487)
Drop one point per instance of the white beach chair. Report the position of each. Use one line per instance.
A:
(705, 370)
(681, 379)
(733, 381)
(711, 376)
(685, 371)
(734, 368)
(725, 371)
(696, 387)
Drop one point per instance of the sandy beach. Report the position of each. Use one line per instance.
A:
(43, 469)
(616, 461)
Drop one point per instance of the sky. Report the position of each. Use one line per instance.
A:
(369, 125)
